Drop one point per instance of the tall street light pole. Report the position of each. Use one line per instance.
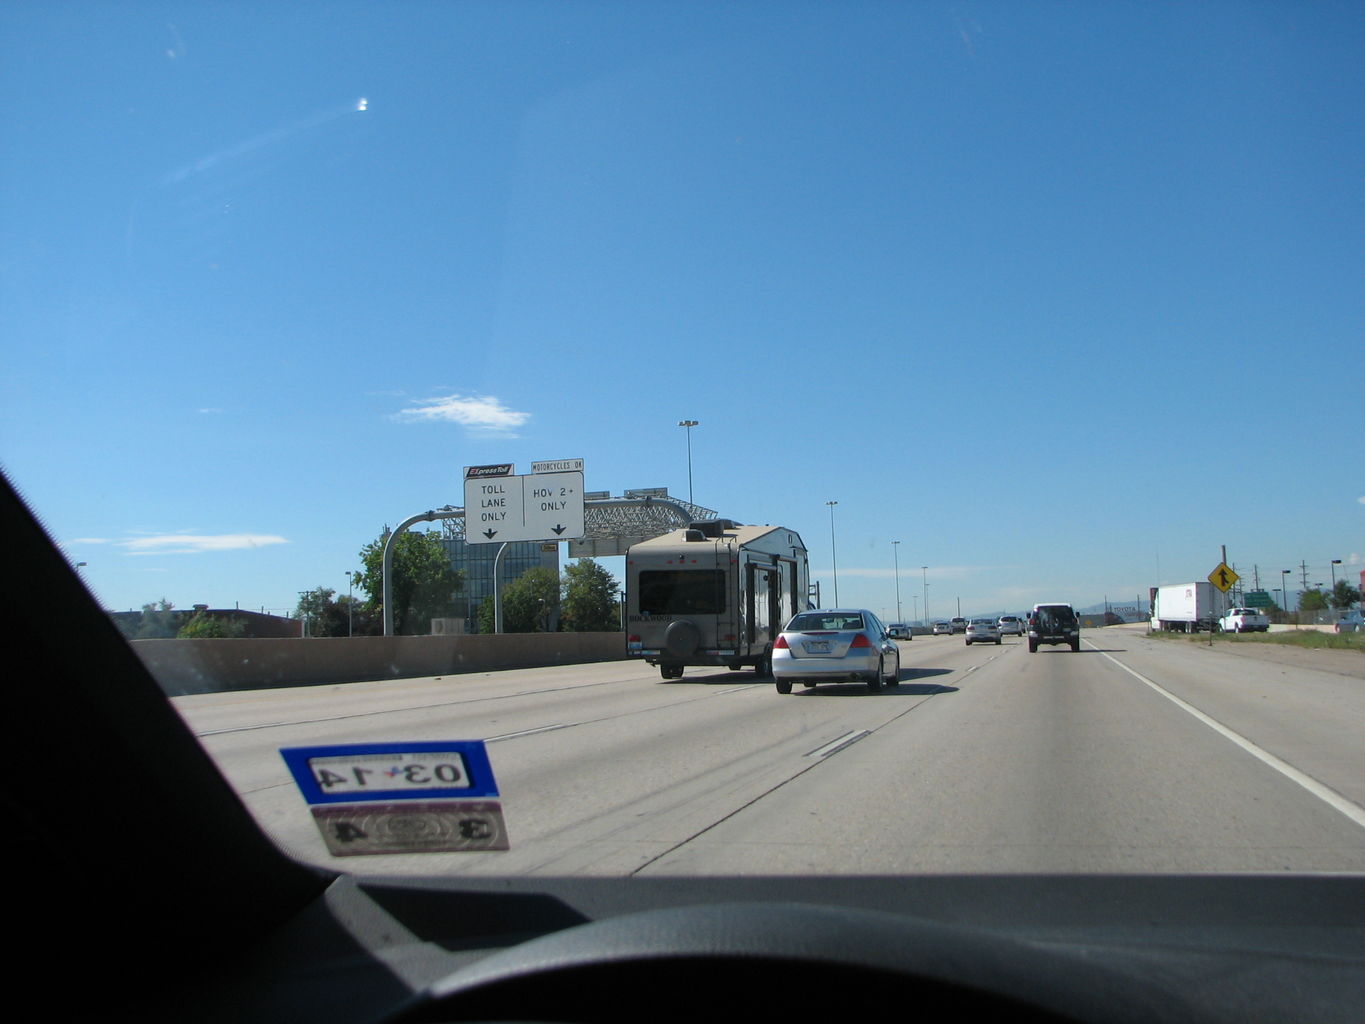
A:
(689, 424)
(350, 602)
(1284, 587)
(895, 554)
(833, 551)
(924, 579)
(1335, 562)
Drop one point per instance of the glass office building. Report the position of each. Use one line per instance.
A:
(475, 561)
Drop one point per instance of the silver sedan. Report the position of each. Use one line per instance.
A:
(836, 645)
(983, 631)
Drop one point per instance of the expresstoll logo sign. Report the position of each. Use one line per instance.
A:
(478, 472)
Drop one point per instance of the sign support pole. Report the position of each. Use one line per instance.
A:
(497, 587)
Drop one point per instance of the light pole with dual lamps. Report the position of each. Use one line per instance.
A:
(833, 551)
(689, 424)
(895, 554)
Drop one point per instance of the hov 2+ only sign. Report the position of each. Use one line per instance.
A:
(500, 507)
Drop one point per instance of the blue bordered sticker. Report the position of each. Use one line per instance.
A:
(370, 798)
(363, 772)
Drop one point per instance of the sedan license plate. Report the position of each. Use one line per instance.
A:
(817, 646)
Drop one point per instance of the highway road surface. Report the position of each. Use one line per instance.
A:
(1133, 755)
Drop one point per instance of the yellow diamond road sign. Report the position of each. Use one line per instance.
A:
(1223, 578)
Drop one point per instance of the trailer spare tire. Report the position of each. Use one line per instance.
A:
(682, 638)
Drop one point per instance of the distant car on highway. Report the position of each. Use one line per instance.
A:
(899, 631)
(983, 631)
(1351, 622)
(833, 646)
(1244, 620)
(942, 627)
(1011, 624)
(959, 624)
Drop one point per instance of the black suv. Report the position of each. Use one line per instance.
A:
(1053, 624)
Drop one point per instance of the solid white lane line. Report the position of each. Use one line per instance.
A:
(1324, 793)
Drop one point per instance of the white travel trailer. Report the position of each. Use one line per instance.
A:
(715, 593)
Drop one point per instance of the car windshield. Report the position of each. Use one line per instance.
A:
(482, 373)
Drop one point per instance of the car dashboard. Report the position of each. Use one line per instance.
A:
(1021, 948)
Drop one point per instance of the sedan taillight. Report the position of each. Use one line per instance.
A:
(861, 640)
(781, 644)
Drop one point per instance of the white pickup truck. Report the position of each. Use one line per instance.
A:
(1244, 620)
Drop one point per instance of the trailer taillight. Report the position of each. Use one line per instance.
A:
(634, 638)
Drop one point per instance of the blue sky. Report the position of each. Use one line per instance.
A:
(1061, 296)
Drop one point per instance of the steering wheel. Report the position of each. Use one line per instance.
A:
(801, 961)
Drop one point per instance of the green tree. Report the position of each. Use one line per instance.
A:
(1343, 595)
(158, 621)
(1312, 601)
(349, 616)
(529, 603)
(314, 609)
(589, 598)
(424, 584)
(344, 616)
(485, 620)
(203, 626)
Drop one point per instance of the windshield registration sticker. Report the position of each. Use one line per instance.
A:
(349, 773)
(445, 826)
(426, 797)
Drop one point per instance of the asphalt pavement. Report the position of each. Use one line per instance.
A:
(1132, 755)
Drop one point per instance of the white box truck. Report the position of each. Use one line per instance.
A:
(1187, 607)
(714, 594)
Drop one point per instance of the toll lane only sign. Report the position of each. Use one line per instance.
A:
(502, 507)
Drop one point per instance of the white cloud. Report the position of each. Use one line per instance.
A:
(478, 412)
(198, 543)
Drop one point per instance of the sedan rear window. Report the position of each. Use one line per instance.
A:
(808, 622)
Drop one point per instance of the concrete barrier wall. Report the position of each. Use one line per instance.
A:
(211, 666)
